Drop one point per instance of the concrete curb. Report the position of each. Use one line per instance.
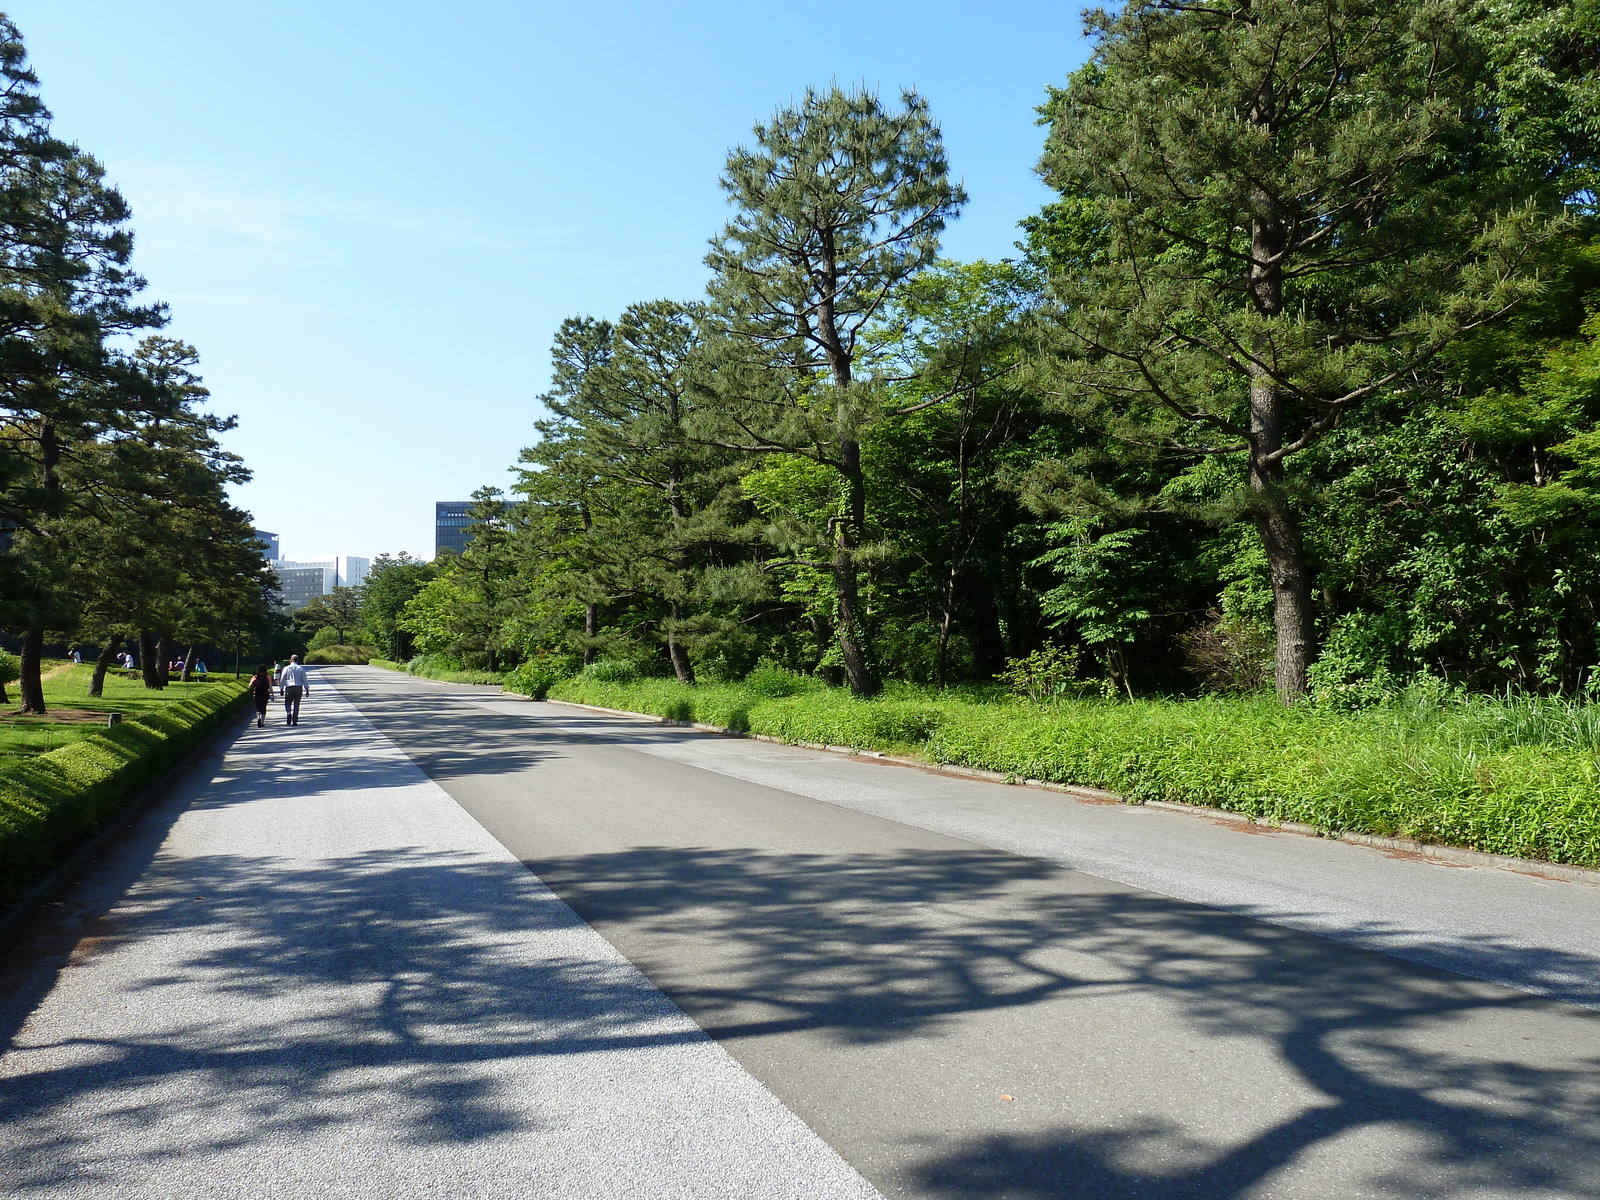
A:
(1399, 847)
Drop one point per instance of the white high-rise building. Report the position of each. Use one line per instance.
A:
(299, 583)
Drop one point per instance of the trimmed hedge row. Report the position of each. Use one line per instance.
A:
(51, 802)
(1482, 774)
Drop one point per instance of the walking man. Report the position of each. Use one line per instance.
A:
(293, 681)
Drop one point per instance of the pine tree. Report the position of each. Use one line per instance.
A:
(840, 201)
(1274, 210)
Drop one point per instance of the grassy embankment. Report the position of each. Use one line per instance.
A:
(63, 775)
(424, 668)
(1515, 777)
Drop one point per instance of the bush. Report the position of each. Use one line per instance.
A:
(1044, 675)
(769, 679)
(342, 655)
(10, 672)
(324, 637)
(537, 676)
(52, 801)
(1230, 654)
(613, 670)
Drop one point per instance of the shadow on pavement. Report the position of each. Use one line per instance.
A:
(314, 995)
(871, 948)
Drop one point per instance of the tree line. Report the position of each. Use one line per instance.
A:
(115, 526)
(1294, 385)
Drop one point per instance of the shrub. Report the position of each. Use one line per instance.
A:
(50, 802)
(323, 638)
(613, 670)
(10, 672)
(537, 676)
(769, 679)
(1043, 675)
(341, 654)
(1230, 654)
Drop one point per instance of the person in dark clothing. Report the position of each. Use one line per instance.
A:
(261, 693)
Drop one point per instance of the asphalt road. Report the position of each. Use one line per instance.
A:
(960, 990)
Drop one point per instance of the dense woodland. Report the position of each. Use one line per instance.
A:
(1296, 385)
(115, 526)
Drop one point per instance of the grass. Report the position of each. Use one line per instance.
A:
(66, 695)
(445, 673)
(51, 801)
(1515, 777)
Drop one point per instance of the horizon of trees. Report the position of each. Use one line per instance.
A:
(1296, 384)
(115, 526)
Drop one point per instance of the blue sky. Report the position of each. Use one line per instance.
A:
(371, 216)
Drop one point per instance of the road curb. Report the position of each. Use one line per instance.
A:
(1398, 847)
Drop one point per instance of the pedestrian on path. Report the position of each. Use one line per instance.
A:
(261, 693)
(293, 681)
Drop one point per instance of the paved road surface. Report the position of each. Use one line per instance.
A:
(331, 982)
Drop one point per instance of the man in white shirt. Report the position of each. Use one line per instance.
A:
(292, 679)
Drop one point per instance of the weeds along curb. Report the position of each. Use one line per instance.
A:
(1398, 847)
(15, 914)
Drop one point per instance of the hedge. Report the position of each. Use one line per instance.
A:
(51, 802)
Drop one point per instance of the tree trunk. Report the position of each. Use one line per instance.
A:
(681, 666)
(852, 642)
(102, 664)
(29, 684)
(1275, 521)
(164, 660)
(147, 660)
(591, 630)
(188, 664)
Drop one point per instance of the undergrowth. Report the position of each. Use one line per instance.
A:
(1506, 776)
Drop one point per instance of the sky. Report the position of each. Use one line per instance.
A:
(370, 216)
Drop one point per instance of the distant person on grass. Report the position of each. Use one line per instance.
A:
(261, 693)
(293, 681)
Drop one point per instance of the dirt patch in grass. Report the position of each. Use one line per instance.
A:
(55, 716)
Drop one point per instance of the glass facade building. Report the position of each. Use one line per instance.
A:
(452, 524)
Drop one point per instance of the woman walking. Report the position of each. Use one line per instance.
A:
(261, 693)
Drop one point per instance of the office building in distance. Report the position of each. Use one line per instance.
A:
(452, 522)
(299, 583)
(270, 541)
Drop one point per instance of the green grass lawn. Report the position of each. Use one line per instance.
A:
(1516, 777)
(66, 695)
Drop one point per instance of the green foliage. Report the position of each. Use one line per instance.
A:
(613, 670)
(449, 670)
(1049, 673)
(534, 677)
(771, 680)
(325, 637)
(341, 654)
(1517, 778)
(52, 801)
(390, 585)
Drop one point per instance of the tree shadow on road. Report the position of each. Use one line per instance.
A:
(260, 1000)
(284, 998)
(870, 948)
